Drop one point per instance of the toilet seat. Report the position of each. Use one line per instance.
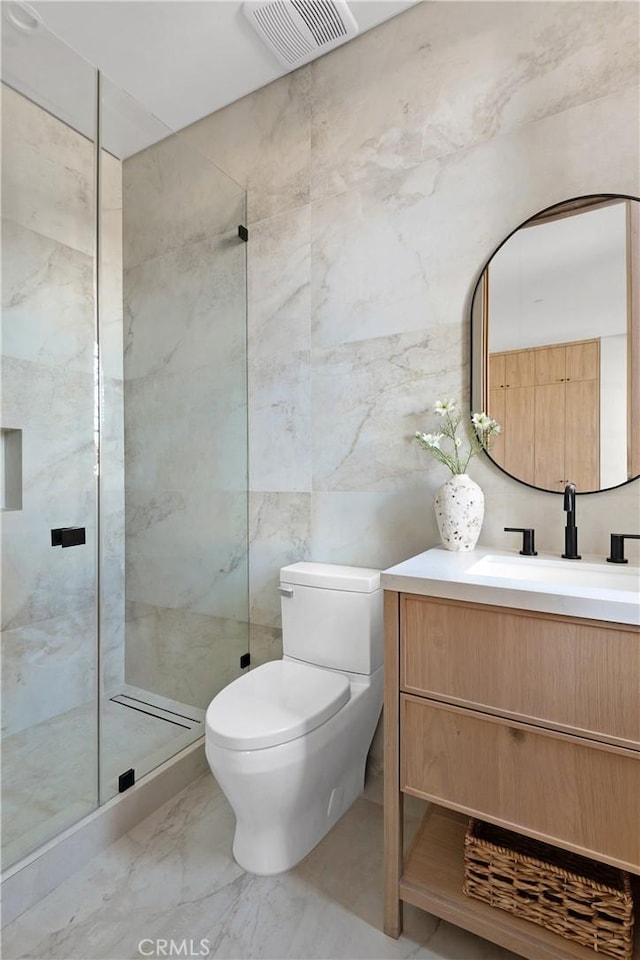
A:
(277, 702)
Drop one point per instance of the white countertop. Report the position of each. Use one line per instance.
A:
(447, 574)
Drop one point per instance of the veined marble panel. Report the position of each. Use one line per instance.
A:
(403, 251)
(374, 529)
(265, 644)
(278, 284)
(111, 208)
(112, 449)
(450, 75)
(183, 552)
(112, 645)
(112, 322)
(185, 434)
(54, 409)
(182, 654)
(41, 582)
(369, 398)
(366, 105)
(264, 142)
(47, 300)
(112, 494)
(279, 534)
(279, 423)
(376, 260)
(48, 667)
(174, 196)
(112, 538)
(111, 269)
(47, 174)
(185, 313)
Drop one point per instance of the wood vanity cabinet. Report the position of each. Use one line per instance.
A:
(527, 720)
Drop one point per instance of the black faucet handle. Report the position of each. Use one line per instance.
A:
(617, 546)
(528, 540)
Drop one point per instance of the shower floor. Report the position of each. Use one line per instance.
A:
(49, 771)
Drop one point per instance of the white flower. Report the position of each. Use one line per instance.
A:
(457, 441)
(484, 424)
(445, 407)
(481, 421)
(433, 439)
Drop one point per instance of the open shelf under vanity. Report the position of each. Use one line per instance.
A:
(432, 880)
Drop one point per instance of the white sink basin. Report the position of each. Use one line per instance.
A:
(590, 588)
(555, 573)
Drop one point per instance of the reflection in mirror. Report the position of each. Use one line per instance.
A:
(556, 346)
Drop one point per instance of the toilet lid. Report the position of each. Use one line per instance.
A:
(277, 702)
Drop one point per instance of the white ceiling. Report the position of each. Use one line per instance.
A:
(180, 59)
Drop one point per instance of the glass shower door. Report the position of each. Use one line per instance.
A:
(174, 580)
(48, 442)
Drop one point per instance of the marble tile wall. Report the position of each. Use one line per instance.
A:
(379, 179)
(185, 424)
(48, 595)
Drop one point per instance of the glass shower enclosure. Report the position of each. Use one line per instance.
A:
(123, 439)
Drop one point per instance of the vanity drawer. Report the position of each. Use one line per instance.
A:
(575, 675)
(562, 789)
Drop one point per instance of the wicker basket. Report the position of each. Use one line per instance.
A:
(573, 896)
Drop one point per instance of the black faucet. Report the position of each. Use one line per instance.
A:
(570, 530)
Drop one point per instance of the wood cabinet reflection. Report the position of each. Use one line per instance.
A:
(548, 401)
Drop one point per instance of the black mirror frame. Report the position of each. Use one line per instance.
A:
(477, 382)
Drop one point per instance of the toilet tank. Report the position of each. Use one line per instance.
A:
(332, 616)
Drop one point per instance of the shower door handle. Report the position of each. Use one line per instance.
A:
(68, 537)
(286, 591)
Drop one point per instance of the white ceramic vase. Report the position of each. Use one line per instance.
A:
(459, 507)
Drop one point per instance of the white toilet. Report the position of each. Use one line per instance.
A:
(288, 741)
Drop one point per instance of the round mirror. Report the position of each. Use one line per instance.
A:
(555, 327)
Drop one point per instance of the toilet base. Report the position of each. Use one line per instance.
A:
(287, 797)
(279, 847)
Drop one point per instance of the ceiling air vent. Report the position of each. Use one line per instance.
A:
(297, 31)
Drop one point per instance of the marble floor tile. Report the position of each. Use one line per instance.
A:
(173, 877)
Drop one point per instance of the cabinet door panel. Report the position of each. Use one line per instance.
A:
(496, 371)
(550, 365)
(577, 676)
(583, 361)
(549, 436)
(520, 369)
(519, 424)
(564, 790)
(582, 433)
